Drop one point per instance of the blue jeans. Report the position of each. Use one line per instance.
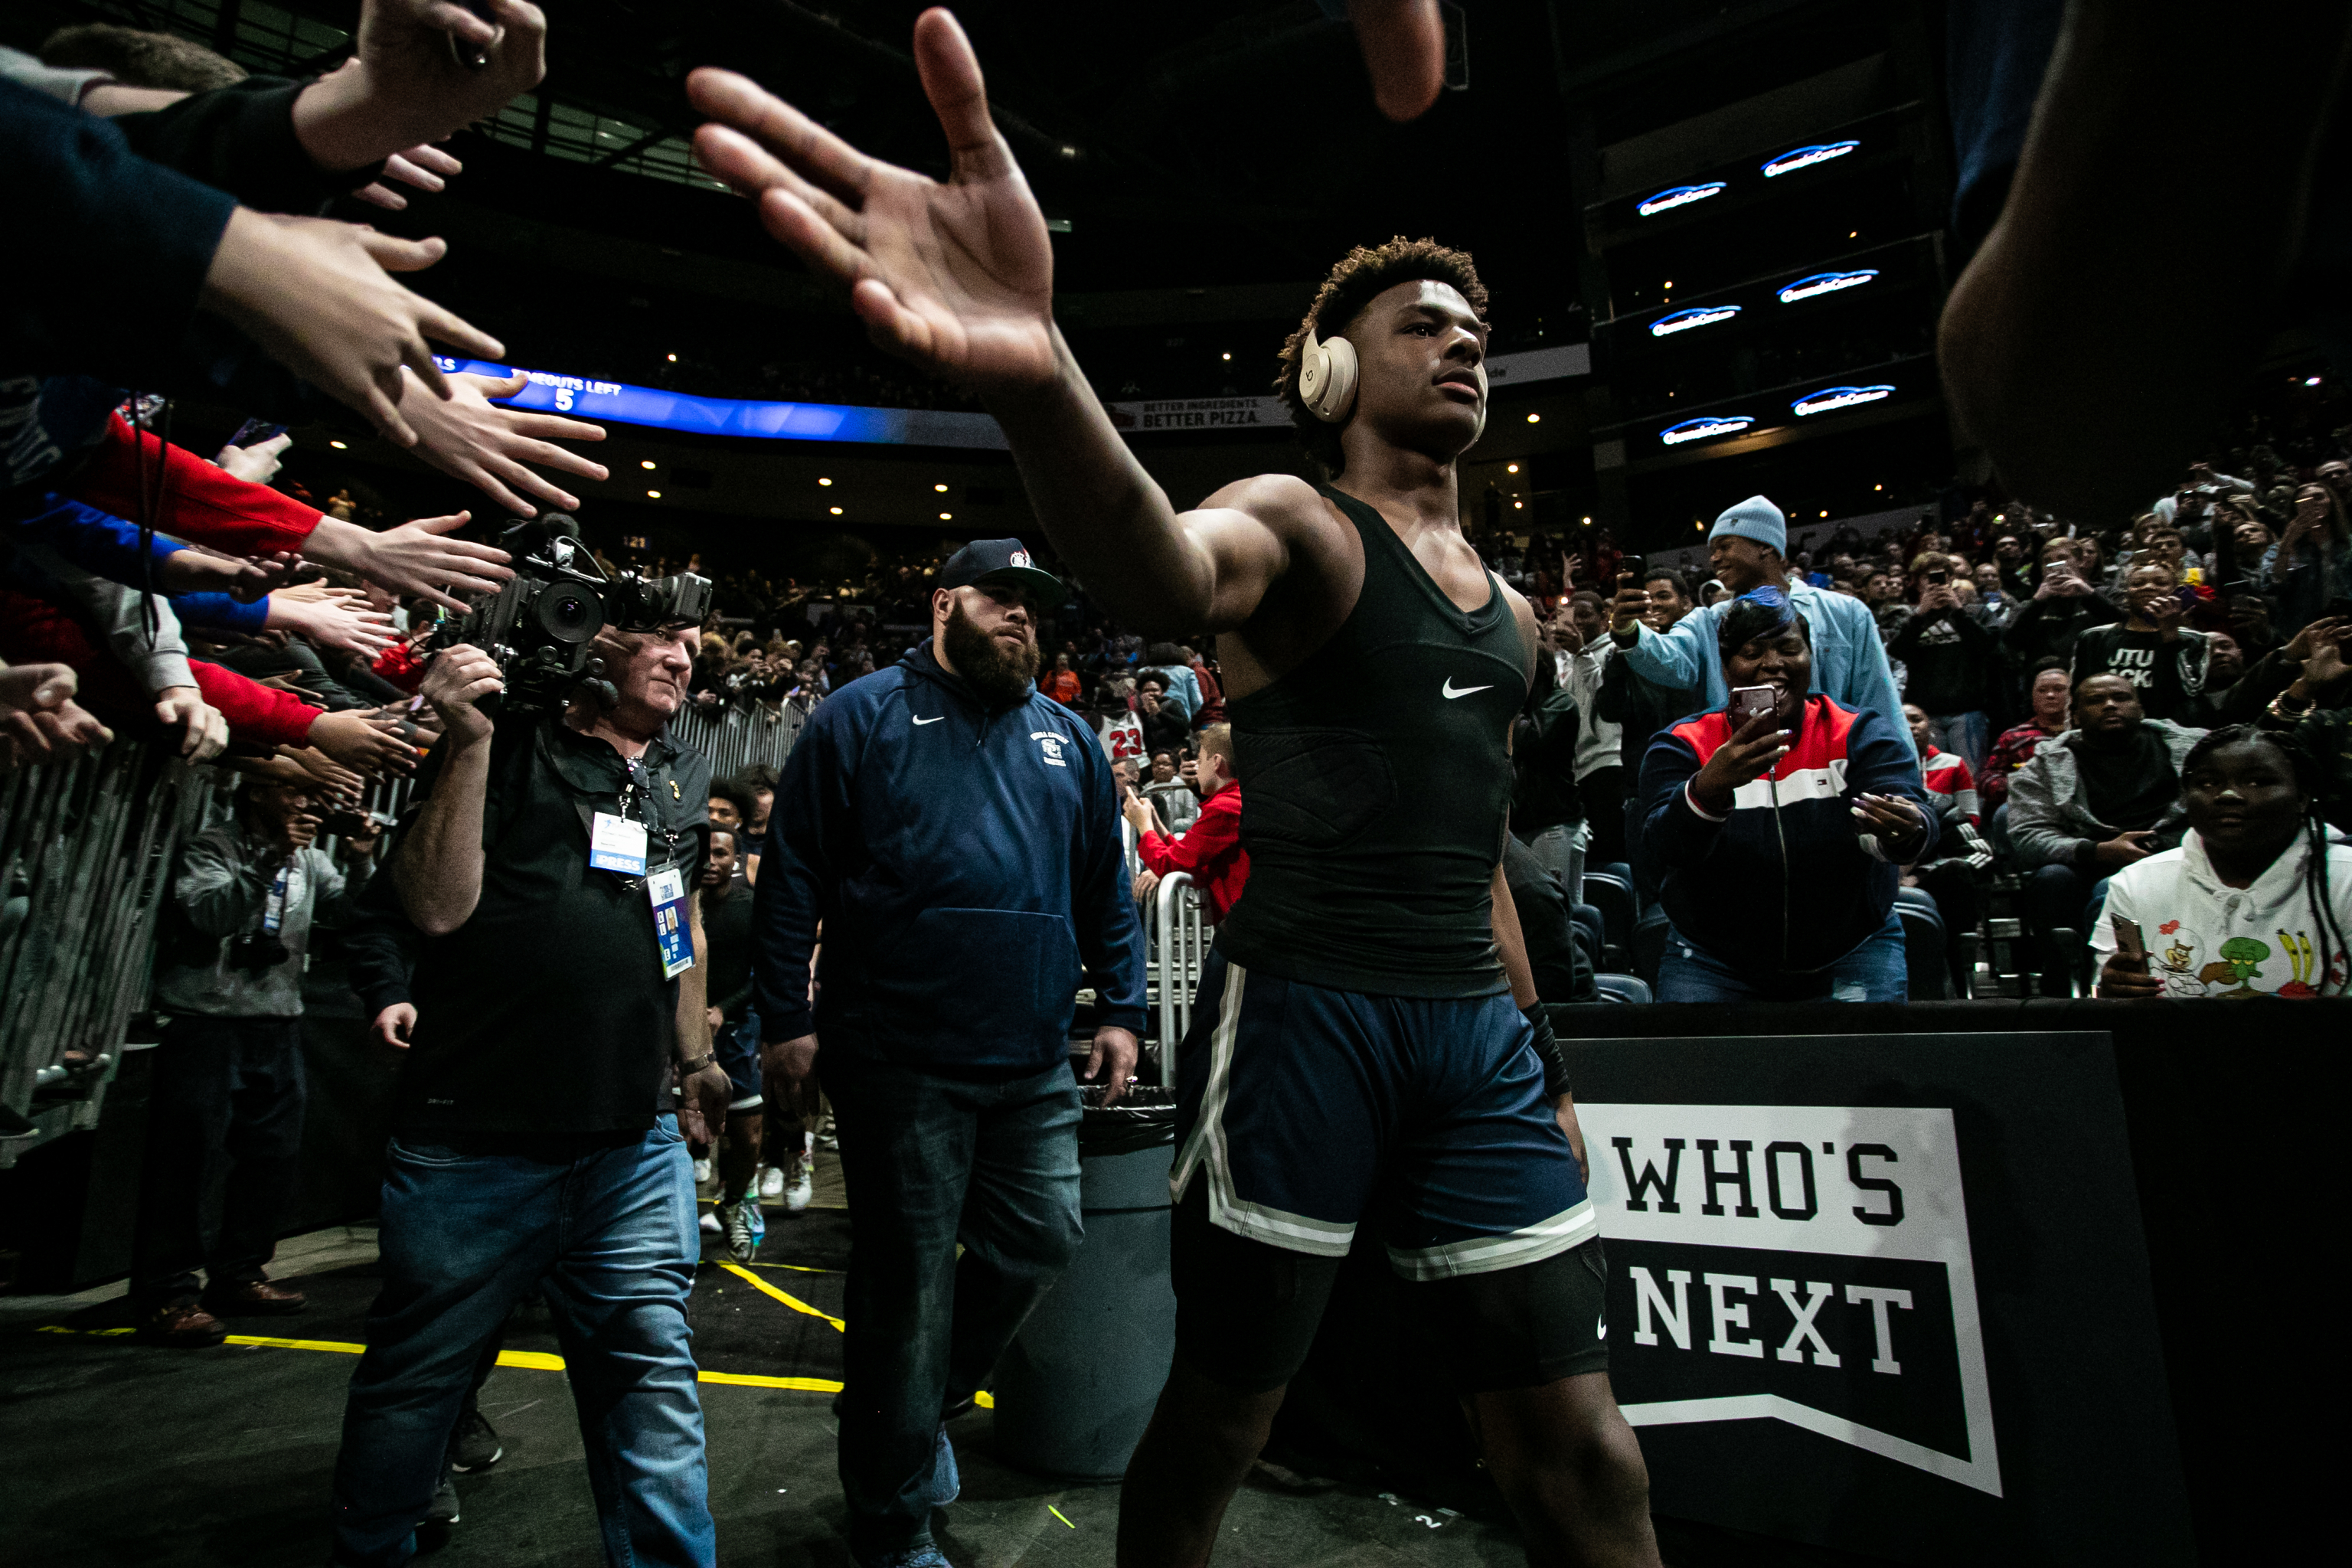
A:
(932, 1159)
(1967, 734)
(606, 1231)
(2061, 895)
(1873, 971)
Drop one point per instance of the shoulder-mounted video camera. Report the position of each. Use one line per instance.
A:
(538, 628)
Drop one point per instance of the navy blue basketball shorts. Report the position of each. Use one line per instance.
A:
(736, 1045)
(1304, 1111)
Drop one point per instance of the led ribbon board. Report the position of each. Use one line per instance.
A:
(1797, 158)
(589, 399)
(1680, 197)
(1821, 283)
(1833, 397)
(1699, 316)
(1704, 426)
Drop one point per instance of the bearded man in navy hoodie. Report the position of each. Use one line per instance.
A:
(956, 832)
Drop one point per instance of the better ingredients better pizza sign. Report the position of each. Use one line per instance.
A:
(1801, 1264)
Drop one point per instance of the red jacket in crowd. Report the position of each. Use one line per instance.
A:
(1210, 852)
(34, 631)
(201, 503)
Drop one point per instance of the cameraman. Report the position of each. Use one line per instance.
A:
(228, 1083)
(531, 1147)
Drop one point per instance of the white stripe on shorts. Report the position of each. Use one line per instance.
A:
(1492, 1254)
(1207, 1146)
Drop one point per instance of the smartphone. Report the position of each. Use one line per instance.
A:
(1748, 701)
(2127, 938)
(253, 432)
(1937, 578)
(1634, 566)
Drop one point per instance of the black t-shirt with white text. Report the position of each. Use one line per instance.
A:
(2144, 658)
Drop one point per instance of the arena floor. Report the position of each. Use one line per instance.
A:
(119, 1453)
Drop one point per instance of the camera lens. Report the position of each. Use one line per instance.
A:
(568, 615)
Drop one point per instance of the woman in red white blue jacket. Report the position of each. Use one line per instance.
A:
(1776, 841)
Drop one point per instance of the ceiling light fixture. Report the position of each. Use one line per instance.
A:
(644, 462)
(941, 489)
(836, 510)
(825, 481)
(653, 495)
(339, 447)
(947, 517)
(1510, 468)
(1535, 418)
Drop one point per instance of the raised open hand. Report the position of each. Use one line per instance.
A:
(476, 440)
(957, 277)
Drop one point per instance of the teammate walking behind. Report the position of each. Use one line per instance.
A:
(957, 833)
(1358, 1032)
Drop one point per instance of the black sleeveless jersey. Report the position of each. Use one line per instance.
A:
(1376, 784)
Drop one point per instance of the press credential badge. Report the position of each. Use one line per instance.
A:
(617, 844)
(667, 890)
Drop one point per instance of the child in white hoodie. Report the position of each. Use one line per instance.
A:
(2256, 900)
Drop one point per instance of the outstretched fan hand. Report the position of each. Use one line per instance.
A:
(956, 277)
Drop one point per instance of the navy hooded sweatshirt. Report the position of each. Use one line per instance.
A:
(1783, 884)
(968, 870)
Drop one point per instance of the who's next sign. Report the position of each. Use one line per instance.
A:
(1805, 1264)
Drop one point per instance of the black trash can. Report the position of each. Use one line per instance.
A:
(1076, 1389)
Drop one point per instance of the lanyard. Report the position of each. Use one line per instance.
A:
(629, 794)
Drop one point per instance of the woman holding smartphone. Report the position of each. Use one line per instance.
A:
(1775, 830)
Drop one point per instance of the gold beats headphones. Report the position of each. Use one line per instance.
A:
(1327, 377)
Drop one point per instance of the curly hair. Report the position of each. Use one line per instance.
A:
(1361, 275)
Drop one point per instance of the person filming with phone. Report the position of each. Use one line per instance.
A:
(1747, 549)
(1775, 829)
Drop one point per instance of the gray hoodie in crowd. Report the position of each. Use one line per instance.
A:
(2050, 820)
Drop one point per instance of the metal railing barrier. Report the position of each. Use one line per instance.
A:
(1180, 947)
(85, 849)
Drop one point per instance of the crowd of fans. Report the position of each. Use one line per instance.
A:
(2055, 680)
(2137, 731)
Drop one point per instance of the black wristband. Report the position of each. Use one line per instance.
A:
(1547, 1051)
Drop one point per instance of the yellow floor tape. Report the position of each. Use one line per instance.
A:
(535, 1361)
(795, 1303)
(540, 1361)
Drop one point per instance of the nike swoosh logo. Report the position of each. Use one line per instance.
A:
(1465, 690)
(930, 720)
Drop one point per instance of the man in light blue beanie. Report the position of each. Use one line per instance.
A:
(1748, 548)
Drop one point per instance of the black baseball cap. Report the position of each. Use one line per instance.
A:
(1000, 560)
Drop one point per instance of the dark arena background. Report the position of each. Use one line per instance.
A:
(1964, 1239)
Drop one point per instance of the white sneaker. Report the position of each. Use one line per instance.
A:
(772, 1181)
(796, 1197)
(702, 1173)
(710, 1223)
